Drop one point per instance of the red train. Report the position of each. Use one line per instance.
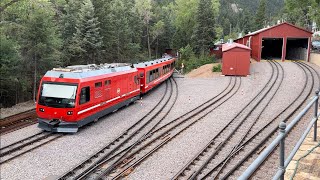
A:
(74, 96)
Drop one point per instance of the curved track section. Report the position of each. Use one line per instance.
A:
(119, 146)
(166, 133)
(256, 142)
(230, 136)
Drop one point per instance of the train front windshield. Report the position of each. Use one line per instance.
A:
(58, 95)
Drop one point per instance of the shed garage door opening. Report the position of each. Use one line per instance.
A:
(297, 49)
(272, 48)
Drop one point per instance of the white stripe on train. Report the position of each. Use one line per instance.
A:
(103, 103)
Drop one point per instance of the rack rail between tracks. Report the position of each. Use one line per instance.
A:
(280, 140)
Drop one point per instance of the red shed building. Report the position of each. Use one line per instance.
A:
(216, 50)
(235, 59)
(283, 41)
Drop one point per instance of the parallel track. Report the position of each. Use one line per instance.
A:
(128, 138)
(26, 145)
(206, 158)
(257, 141)
(166, 133)
(17, 121)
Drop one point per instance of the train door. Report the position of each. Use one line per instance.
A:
(107, 85)
(130, 82)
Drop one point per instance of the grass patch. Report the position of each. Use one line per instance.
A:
(217, 68)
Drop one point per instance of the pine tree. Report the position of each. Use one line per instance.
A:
(68, 29)
(246, 22)
(40, 45)
(261, 15)
(204, 32)
(87, 40)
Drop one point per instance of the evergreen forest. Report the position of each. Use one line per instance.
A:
(38, 35)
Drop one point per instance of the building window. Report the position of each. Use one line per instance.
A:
(85, 95)
(98, 84)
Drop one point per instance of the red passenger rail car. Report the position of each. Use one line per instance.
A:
(155, 72)
(74, 96)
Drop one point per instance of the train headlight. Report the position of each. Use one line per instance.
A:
(69, 112)
(41, 109)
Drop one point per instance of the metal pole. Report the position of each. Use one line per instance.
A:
(316, 116)
(282, 128)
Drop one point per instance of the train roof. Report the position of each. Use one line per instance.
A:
(90, 70)
(150, 63)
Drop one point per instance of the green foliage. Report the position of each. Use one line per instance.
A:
(68, 29)
(217, 68)
(260, 19)
(191, 61)
(87, 39)
(204, 31)
(9, 58)
(38, 35)
(303, 12)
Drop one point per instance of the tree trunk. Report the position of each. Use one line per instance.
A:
(157, 48)
(149, 49)
(35, 79)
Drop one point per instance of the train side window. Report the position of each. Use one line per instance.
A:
(85, 95)
(150, 76)
(136, 80)
(157, 73)
(107, 82)
(154, 74)
(98, 84)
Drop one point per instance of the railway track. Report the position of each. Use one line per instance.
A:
(166, 133)
(111, 161)
(235, 131)
(26, 145)
(17, 121)
(129, 138)
(235, 162)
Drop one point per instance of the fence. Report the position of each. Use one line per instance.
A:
(280, 139)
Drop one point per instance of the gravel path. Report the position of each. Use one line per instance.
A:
(175, 154)
(59, 156)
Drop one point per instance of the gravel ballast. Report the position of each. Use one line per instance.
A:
(60, 155)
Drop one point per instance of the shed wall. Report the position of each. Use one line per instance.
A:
(236, 62)
(279, 31)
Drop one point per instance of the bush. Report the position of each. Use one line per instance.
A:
(217, 68)
(191, 61)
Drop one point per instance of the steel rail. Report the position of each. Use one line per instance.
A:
(224, 142)
(196, 157)
(107, 159)
(165, 137)
(238, 147)
(117, 142)
(17, 121)
(17, 149)
(259, 145)
(126, 150)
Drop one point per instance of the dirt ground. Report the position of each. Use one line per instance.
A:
(21, 107)
(204, 71)
(315, 58)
